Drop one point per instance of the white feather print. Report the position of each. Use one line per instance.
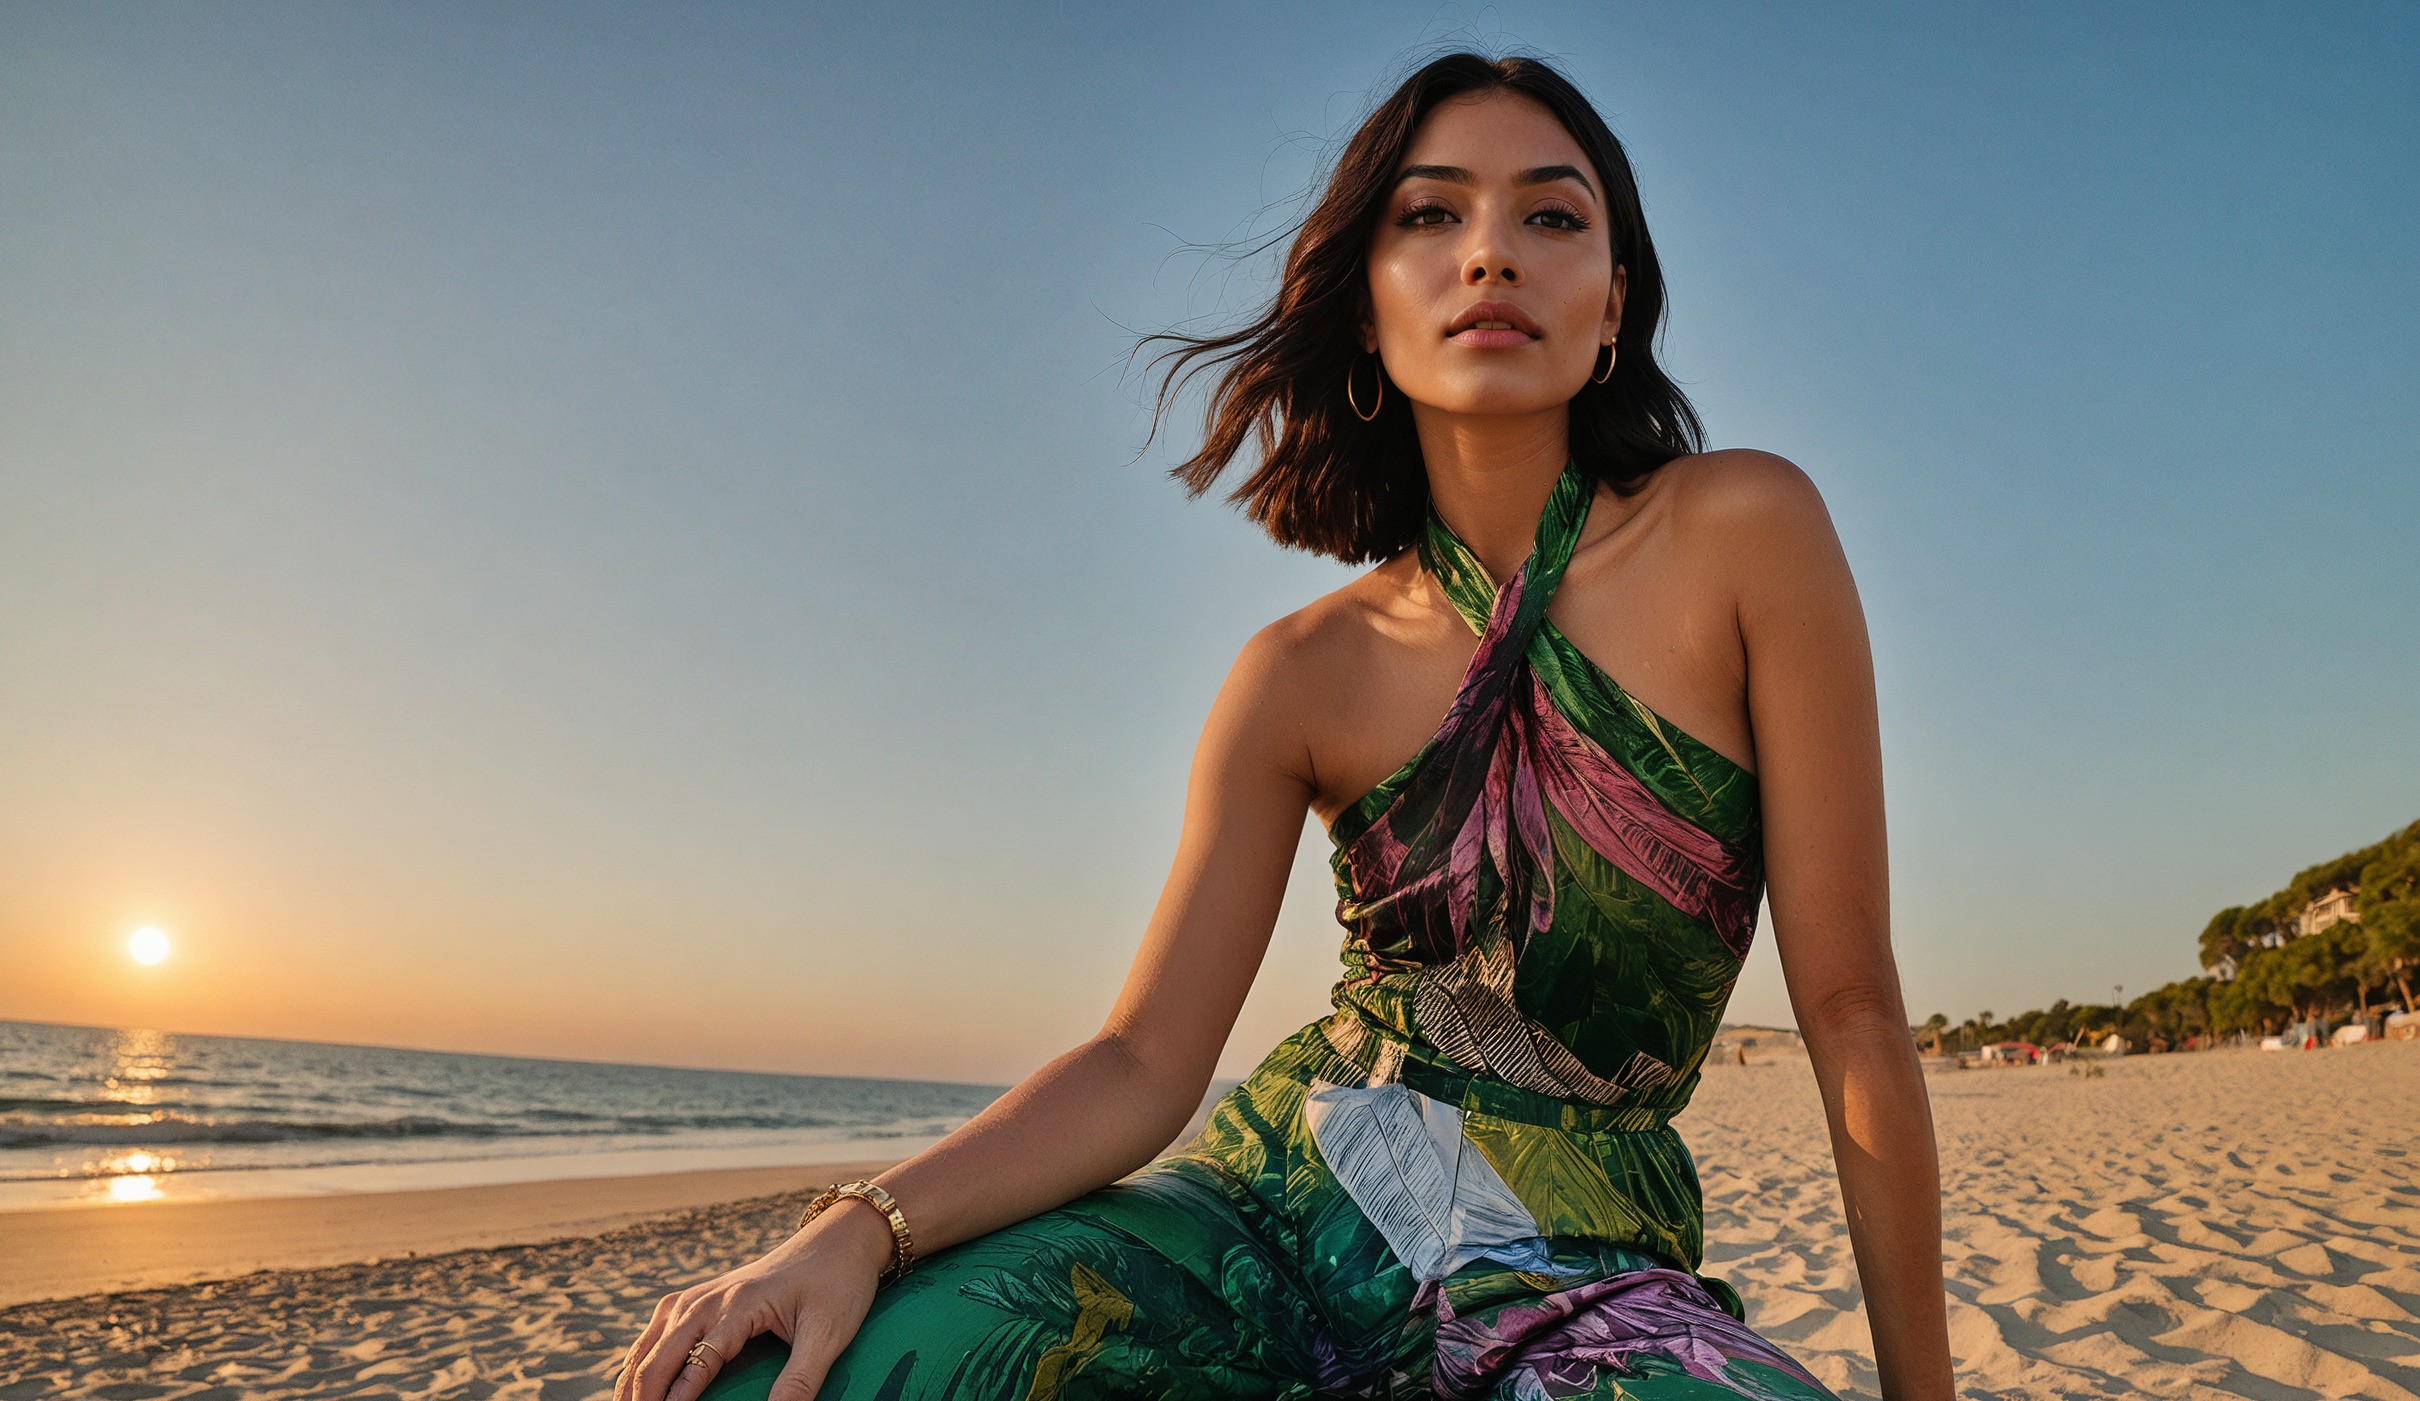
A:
(1403, 1158)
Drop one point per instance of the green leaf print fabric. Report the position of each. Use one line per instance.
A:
(1462, 1181)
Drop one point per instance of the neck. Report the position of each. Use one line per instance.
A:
(1489, 477)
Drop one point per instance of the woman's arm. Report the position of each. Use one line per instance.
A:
(1089, 1117)
(1810, 682)
(1113, 1103)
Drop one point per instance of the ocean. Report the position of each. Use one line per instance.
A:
(100, 1114)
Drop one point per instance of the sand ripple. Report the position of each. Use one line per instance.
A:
(2234, 1224)
(540, 1322)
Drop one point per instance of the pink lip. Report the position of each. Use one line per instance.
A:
(1522, 331)
(1486, 339)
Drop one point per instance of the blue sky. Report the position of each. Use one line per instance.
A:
(623, 533)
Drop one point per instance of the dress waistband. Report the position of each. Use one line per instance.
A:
(1363, 1054)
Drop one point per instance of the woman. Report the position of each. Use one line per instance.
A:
(1462, 1181)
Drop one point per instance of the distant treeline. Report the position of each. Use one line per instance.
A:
(2261, 971)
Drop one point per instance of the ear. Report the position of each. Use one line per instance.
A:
(1613, 303)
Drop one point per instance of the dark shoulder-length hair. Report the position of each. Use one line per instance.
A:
(1334, 485)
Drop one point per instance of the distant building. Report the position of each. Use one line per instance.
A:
(2328, 910)
(2335, 907)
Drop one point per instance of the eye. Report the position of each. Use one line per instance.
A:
(1416, 216)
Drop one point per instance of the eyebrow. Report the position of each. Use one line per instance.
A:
(1460, 175)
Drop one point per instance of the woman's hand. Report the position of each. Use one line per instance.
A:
(1094, 1113)
(812, 1291)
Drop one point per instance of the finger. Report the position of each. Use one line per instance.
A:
(626, 1388)
(723, 1339)
(626, 1382)
(656, 1321)
(812, 1353)
(664, 1362)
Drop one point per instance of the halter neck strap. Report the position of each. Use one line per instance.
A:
(1475, 594)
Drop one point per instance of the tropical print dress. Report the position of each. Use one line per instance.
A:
(1462, 1181)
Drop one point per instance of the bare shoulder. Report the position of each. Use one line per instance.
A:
(1293, 668)
(1334, 635)
(1756, 522)
(1743, 496)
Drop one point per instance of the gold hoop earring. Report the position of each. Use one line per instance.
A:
(1348, 391)
(1600, 379)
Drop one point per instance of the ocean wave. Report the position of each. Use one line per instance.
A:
(337, 1153)
(177, 1129)
(674, 1123)
(23, 1102)
(22, 1131)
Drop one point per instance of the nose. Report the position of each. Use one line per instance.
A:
(1477, 271)
(1489, 255)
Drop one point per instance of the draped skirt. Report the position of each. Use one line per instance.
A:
(1244, 1265)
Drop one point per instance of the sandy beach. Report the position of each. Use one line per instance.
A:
(2227, 1224)
(2231, 1224)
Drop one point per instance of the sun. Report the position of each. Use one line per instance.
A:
(148, 944)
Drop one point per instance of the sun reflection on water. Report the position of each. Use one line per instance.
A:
(137, 1058)
(135, 1176)
(142, 1187)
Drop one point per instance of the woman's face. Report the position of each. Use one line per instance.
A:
(1494, 202)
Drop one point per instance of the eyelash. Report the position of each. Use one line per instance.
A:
(1410, 216)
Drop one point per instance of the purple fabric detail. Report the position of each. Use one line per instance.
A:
(1565, 1338)
(1421, 892)
(1332, 1372)
(1625, 823)
(1502, 756)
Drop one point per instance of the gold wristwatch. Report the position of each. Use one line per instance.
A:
(903, 1252)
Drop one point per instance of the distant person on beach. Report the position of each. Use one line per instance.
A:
(1463, 1181)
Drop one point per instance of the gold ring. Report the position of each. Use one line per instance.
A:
(699, 1361)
